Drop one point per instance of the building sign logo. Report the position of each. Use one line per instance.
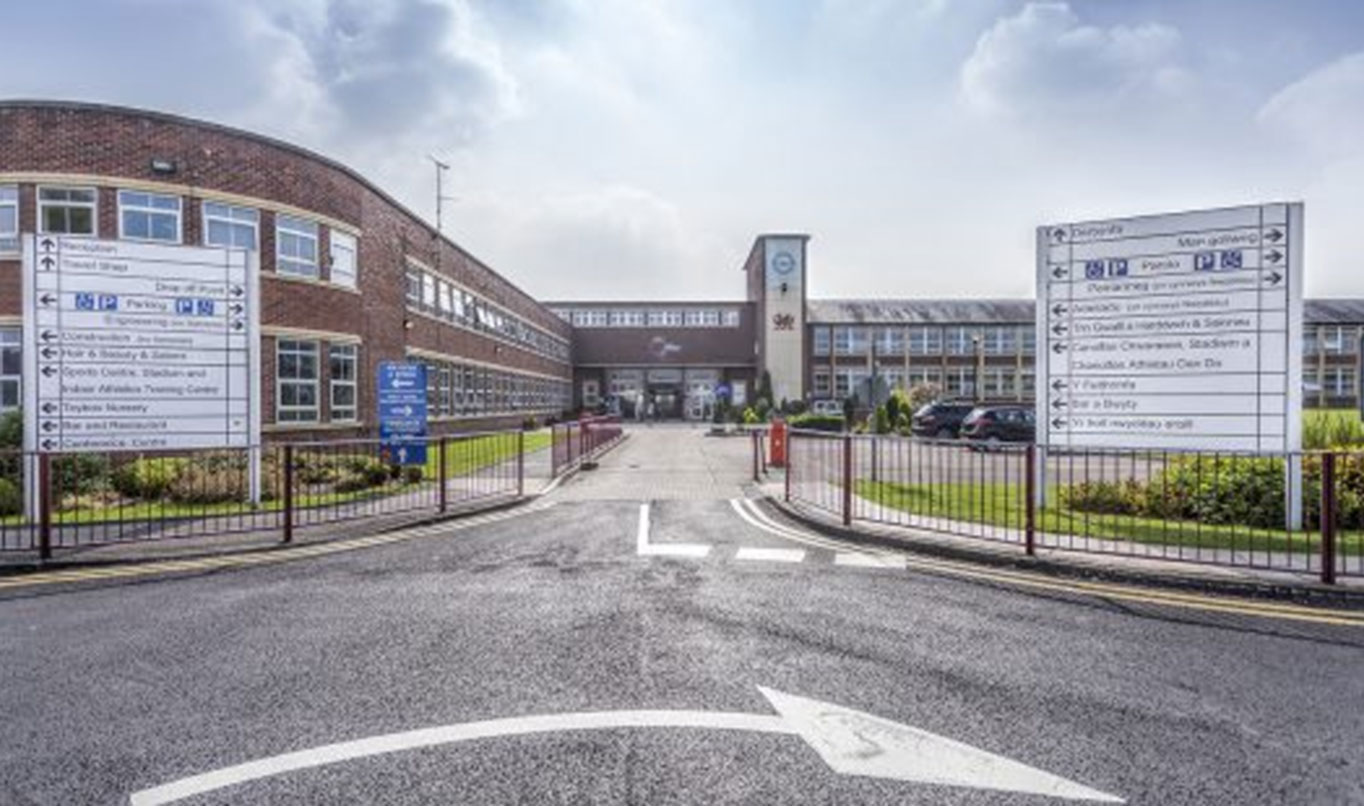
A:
(784, 321)
(783, 263)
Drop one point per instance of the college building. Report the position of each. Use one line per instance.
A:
(350, 278)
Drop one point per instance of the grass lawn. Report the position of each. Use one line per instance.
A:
(1331, 428)
(462, 457)
(1000, 504)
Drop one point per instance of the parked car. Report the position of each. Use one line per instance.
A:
(995, 424)
(827, 408)
(939, 419)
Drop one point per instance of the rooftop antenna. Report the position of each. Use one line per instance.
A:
(441, 198)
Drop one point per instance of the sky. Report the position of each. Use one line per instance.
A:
(629, 149)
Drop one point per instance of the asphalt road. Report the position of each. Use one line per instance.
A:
(112, 688)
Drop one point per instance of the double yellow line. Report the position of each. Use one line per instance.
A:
(247, 559)
(1104, 590)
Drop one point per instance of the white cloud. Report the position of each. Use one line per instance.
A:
(616, 242)
(1045, 60)
(1323, 111)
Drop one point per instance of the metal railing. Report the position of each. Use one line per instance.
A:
(1298, 512)
(574, 442)
(91, 499)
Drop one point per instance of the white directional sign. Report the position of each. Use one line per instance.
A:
(1172, 331)
(134, 346)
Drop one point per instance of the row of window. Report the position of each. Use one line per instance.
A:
(11, 369)
(458, 390)
(997, 383)
(1329, 382)
(663, 317)
(925, 340)
(159, 218)
(434, 295)
(1330, 339)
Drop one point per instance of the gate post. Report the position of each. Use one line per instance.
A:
(847, 479)
(1030, 482)
(790, 464)
(44, 506)
(442, 473)
(520, 463)
(288, 492)
(1328, 519)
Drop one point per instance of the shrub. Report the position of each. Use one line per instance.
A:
(413, 474)
(352, 482)
(1106, 497)
(793, 407)
(881, 420)
(12, 429)
(210, 483)
(921, 394)
(80, 473)
(761, 408)
(367, 468)
(147, 477)
(817, 422)
(11, 498)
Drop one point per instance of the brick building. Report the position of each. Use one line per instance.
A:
(350, 278)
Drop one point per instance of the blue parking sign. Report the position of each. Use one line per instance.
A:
(203, 307)
(1231, 259)
(85, 301)
(108, 302)
(184, 306)
(1094, 269)
(1205, 261)
(1117, 267)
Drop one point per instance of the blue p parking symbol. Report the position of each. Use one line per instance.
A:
(1205, 261)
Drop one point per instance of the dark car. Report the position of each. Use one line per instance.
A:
(940, 420)
(993, 424)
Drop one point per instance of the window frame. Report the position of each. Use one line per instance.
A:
(335, 238)
(309, 231)
(93, 207)
(281, 409)
(352, 383)
(150, 210)
(9, 200)
(231, 221)
(12, 343)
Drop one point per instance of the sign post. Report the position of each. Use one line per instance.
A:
(1179, 331)
(402, 413)
(140, 347)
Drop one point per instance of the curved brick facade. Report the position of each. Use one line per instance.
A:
(504, 355)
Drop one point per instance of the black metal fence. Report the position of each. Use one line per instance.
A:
(98, 498)
(576, 441)
(1298, 512)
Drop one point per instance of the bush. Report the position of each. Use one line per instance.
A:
(529, 424)
(367, 468)
(80, 473)
(11, 498)
(881, 420)
(147, 477)
(817, 422)
(751, 417)
(761, 408)
(921, 394)
(1106, 497)
(413, 474)
(206, 482)
(12, 430)
(793, 407)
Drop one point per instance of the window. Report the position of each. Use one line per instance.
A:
(859, 339)
(924, 376)
(444, 300)
(1339, 381)
(710, 318)
(591, 394)
(961, 382)
(343, 259)
(841, 387)
(414, 287)
(731, 318)
(997, 383)
(148, 216)
(1000, 341)
(295, 246)
(342, 378)
(11, 369)
(1337, 340)
(1028, 335)
(925, 341)
(69, 211)
(627, 318)
(890, 341)
(821, 339)
(9, 219)
(821, 384)
(234, 227)
(429, 291)
(842, 340)
(296, 381)
(1028, 382)
(692, 318)
(959, 340)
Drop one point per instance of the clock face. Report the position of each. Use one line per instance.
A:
(783, 263)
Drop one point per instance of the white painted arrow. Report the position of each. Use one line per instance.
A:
(850, 742)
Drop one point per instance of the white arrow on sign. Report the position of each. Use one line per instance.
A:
(850, 742)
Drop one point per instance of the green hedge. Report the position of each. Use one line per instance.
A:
(817, 422)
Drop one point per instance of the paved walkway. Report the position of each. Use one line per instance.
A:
(666, 462)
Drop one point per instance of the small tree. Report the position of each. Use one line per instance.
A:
(765, 385)
(849, 408)
(922, 394)
(881, 422)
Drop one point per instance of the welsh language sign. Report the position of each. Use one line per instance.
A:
(135, 346)
(1181, 330)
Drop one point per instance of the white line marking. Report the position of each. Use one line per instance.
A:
(850, 742)
(859, 560)
(643, 547)
(770, 555)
